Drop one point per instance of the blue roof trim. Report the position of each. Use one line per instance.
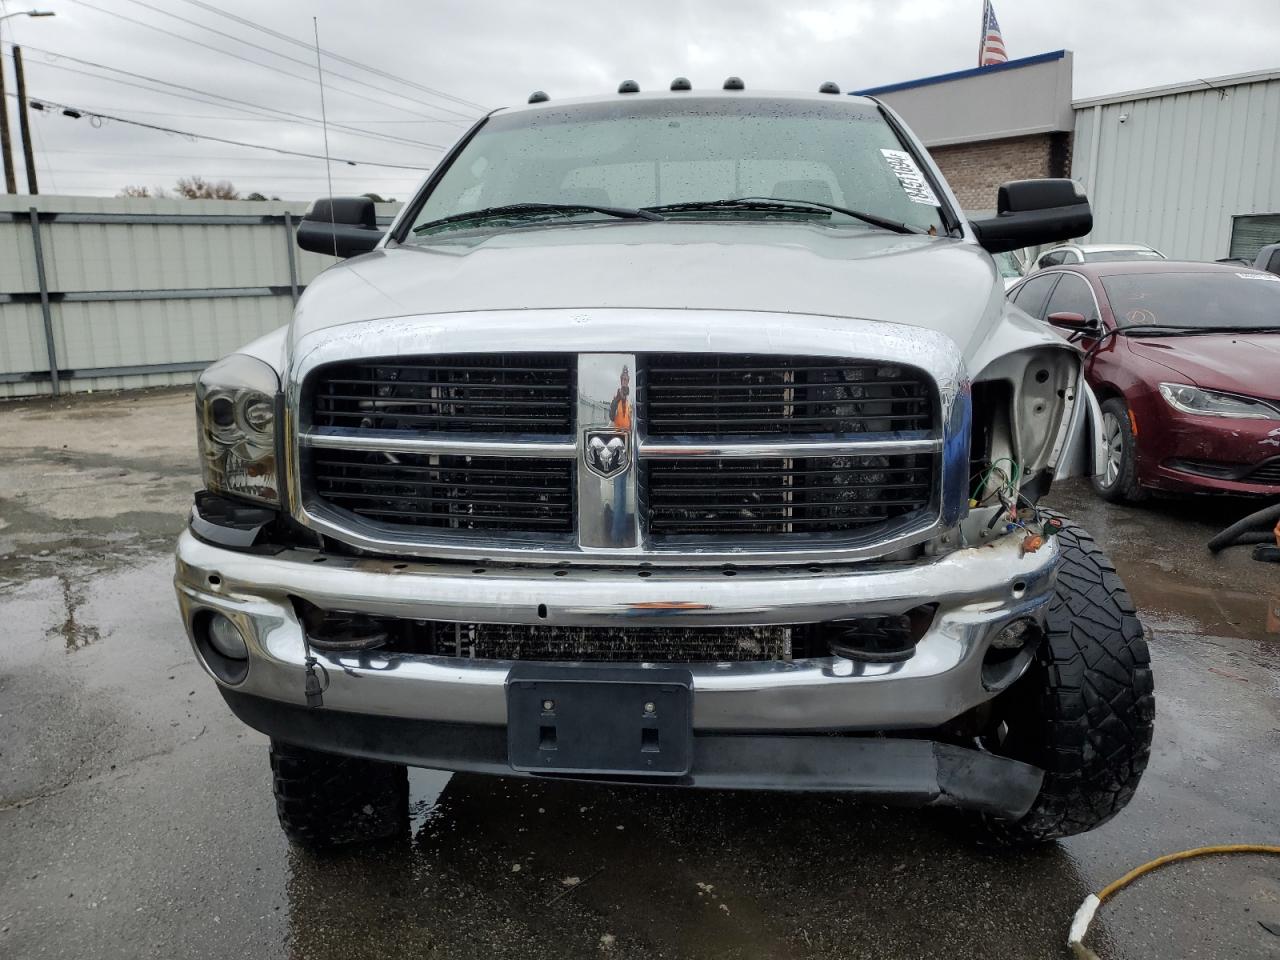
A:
(961, 74)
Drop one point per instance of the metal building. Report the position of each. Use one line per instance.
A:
(1192, 169)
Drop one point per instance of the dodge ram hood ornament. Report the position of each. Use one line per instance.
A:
(607, 452)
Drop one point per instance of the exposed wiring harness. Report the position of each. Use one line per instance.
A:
(1006, 488)
(1084, 915)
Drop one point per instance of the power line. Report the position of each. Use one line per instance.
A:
(174, 156)
(117, 174)
(257, 63)
(231, 100)
(333, 56)
(207, 116)
(467, 118)
(204, 136)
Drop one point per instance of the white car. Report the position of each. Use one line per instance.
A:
(1095, 253)
(1011, 268)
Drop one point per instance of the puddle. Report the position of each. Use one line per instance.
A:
(425, 787)
(74, 631)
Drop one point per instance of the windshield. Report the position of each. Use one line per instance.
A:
(651, 153)
(1206, 300)
(1102, 256)
(1008, 265)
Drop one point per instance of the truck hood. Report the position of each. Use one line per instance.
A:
(1231, 362)
(946, 285)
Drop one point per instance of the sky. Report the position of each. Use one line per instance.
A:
(442, 61)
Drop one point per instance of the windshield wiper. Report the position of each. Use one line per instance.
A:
(1148, 330)
(1185, 330)
(1160, 330)
(509, 211)
(785, 205)
(1240, 328)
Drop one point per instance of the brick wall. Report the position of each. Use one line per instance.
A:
(976, 170)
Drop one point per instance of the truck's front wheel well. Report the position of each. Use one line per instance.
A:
(991, 434)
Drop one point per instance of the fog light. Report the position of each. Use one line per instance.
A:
(225, 637)
(1009, 654)
(1013, 636)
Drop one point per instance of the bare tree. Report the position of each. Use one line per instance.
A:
(135, 191)
(198, 188)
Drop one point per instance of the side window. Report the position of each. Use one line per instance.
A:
(1053, 258)
(1273, 265)
(1072, 295)
(1032, 294)
(1072, 256)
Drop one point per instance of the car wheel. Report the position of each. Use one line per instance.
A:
(323, 799)
(1118, 481)
(1084, 711)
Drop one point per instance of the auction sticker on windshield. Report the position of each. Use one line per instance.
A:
(914, 185)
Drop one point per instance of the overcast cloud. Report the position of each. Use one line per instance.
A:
(495, 53)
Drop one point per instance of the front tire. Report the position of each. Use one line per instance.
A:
(323, 799)
(1085, 710)
(1118, 482)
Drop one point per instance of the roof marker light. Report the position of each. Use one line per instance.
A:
(628, 86)
(829, 87)
(538, 96)
(681, 83)
(734, 83)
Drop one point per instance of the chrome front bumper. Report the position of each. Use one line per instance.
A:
(978, 591)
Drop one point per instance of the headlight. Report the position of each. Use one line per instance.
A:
(1210, 403)
(236, 416)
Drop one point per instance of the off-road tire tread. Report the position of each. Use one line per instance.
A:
(323, 799)
(1095, 701)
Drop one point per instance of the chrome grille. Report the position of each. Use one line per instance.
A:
(518, 393)
(448, 492)
(482, 455)
(740, 394)
(785, 496)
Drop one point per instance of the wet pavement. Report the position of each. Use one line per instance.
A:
(136, 817)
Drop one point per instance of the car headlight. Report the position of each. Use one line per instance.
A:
(236, 417)
(1211, 403)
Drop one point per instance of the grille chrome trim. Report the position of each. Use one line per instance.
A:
(598, 332)
(337, 438)
(713, 448)
(608, 508)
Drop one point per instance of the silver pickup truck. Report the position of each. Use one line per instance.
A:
(679, 438)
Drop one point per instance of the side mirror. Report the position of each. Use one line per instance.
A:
(1075, 322)
(340, 227)
(1034, 212)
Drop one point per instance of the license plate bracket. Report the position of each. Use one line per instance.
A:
(605, 721)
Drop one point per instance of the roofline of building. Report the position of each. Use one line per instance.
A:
(1172, 89)
(962, 74)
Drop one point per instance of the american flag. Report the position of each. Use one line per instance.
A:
(992, 49)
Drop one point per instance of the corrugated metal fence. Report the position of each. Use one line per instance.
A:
(1173, 169)
(110, 293)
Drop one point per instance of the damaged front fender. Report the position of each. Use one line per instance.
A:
(1037, 411)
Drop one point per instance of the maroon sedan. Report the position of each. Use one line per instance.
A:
(1185, 360)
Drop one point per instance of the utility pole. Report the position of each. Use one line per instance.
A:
(24, 123)
(10, 184)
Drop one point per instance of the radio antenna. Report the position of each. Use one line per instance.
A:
(324, 123)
